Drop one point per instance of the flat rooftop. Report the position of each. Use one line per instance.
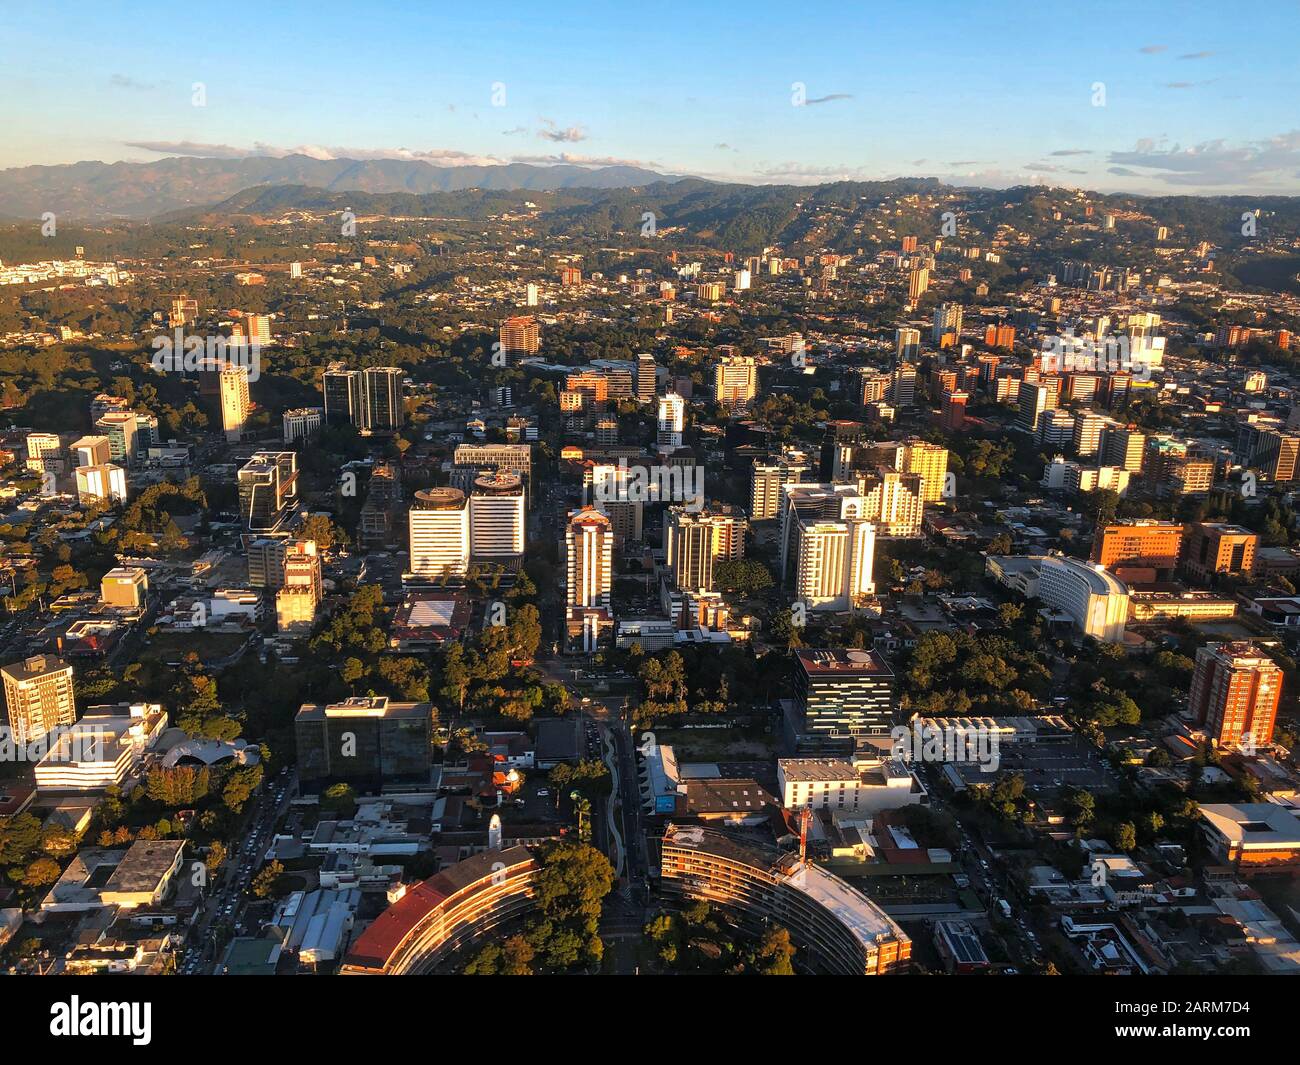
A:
(1254, 824)
(837, 661)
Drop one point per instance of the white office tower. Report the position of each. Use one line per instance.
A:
(439, 533)
(530, 296)
(741, 281)
(589, 576)
(295, 270)
(672, 419)
(233, 387)
(496, 517)
(835, 566)
(808, 504)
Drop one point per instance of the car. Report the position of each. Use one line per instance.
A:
(543, 793)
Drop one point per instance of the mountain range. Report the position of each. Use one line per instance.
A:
(95, 191)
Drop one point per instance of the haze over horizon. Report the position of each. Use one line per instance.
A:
(1173, 99)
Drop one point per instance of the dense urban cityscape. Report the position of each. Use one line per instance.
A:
(594, 570)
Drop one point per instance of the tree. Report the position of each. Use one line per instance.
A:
(775, 952)
(745, 576)
(1125, 836)
(265, 884)
(516, 957)
(573, 881)
(41, 872)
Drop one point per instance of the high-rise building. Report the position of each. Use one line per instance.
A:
(835, 564)
(876, 386)
(233, 384)
(953, 417)
(1123, 447)
(907, 343)
(902, 387)
(917, 284)
(91, 450)
(1000, 335)
(302, 423)
(1216, 548)
(520, 335)
(39, 697)
(497, 517)
(257, 328)
(695, 540)
(469, 460)
(808, 503)
(439, 533)
(268, 489)
(341, 389)
(893, 500)
(767, 480)
(370, 399)
(947, 324)
(647, 371)
(926, 460)
(184, 311)
(367, 740)
(1140, 552)
(121, 428)
(1096, 601)
(611, 489)
(45, 453)
(589, 576)
(1035, 398)
(841, 697)
(1235, 694)
(301, 594)
(381, 388)
(1088, 427)
(735, 381)
(672, 420)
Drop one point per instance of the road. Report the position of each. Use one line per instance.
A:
(223, 909)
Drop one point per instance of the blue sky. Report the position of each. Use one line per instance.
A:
(1198, 97)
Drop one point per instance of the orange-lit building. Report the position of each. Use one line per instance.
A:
(520, 335)
(1252, 838)
(1139, 551)
(1235, 693)
(1217, 548)
(953, 418)
(999, 336)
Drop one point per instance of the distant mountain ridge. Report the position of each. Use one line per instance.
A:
(95, 191)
